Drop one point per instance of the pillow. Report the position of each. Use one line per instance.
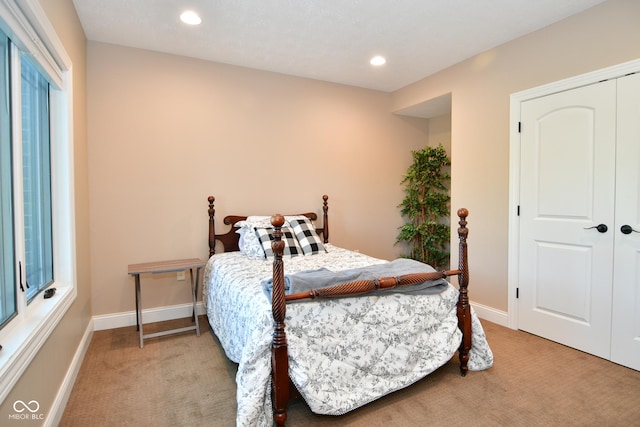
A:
(291, 245)
(263, 221)
(249, 244)
(255, 221)
(307, 237)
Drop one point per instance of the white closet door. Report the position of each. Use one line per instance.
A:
(567, 185)
(625, 339)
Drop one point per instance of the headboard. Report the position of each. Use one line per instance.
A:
(230, 239)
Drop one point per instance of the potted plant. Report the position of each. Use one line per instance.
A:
(426, 207)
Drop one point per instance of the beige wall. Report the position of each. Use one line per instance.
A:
(43, 378)
(167, 131)
(605, 35)
(440, 132)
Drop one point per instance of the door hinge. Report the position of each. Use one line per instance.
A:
(517, 292)
(519, 127)
(518, 211)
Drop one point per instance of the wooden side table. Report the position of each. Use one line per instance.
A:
(136, 270)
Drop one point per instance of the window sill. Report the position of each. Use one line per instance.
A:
(22, 341)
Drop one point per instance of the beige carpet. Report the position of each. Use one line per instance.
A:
(181, 380)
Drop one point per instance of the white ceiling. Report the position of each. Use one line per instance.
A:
(329, 40)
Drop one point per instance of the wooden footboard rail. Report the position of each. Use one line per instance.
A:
(370, 285)
(279, 355)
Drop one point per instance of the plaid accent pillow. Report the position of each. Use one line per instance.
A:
(291, 245)
(306, 233)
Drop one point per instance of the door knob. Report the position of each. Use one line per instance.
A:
(627, 229)
(602, 228)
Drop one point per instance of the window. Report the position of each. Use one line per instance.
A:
(34, 176)
(8, 305)
(37, 225)
(36, 180)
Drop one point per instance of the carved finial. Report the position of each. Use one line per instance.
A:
(277, 245)
(212, 211)
(325, 219)
(463, 231)
(277, 220)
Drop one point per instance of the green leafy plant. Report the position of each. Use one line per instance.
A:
(426, 207)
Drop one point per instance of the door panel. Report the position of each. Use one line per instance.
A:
(563, 285)
(625, 340)
(567, 186)
(565, 142)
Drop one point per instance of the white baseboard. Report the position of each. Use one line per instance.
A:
(62, 397)
(491, 314)
(160, 314)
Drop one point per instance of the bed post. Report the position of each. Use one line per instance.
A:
(212, 226)
(279, 356)
(325, 219)
(463, 307)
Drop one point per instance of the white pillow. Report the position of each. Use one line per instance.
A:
(264, 221)
(249, 244)
(255, 221)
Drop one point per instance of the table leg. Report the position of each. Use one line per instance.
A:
(139, 310)
(194, 293)
(197, 281)
(193, 312)
(137, 292)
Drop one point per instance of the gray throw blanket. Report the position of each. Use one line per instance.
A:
(322, 278)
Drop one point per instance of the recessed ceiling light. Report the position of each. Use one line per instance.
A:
(378, 60)
(190, 17)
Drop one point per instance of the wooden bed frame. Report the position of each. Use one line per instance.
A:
(283, 389)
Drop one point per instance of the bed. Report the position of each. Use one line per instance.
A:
(351, 339)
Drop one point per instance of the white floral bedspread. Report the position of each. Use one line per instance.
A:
(343, 353)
